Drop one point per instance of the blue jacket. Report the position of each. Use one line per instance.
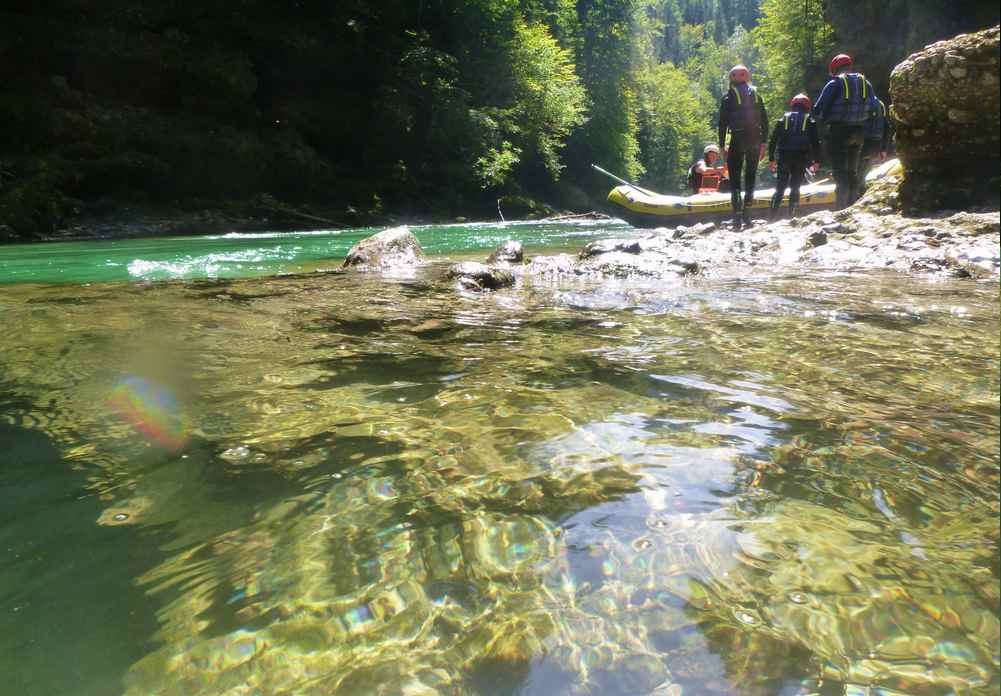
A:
(877, 129)
(795, 135)
(848, 98)
(742, 110)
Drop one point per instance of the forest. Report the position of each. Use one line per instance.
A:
(419, 109)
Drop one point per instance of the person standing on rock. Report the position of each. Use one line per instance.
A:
(845, 104)
(742, 112)
(795, 137)
(877, 141)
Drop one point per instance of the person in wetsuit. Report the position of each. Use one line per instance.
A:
(795, 138)
(875, 145)
(742, 113)
(845, 104)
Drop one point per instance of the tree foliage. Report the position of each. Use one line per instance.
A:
(425, 107)
(795, 41)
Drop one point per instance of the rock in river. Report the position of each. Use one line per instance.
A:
(508, 252)
(396, 246)
(479, 276)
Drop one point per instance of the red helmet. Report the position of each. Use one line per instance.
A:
(801, 100)
(740, 73)
(842, 60)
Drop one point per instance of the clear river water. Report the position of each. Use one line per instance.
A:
(227, 471)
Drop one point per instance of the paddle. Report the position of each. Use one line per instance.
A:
(622, 181)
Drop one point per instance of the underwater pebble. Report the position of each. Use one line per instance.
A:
(236, 453)
(746, 617)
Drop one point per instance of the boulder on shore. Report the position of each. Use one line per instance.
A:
(945, 114)
(396, 246)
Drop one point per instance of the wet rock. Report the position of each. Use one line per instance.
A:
(817, 238)
(834, 228)
(606, 246)
(975, 224)
(947, 121)
(560, 264)
(654, 264)
(396, 246)
(508, 252)
(478, 276)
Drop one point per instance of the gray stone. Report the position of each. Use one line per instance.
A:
(961, 116)
(816, 239)
(945, 164)
(396, 246)
(508, 252)
(606, 246)
(479, 276)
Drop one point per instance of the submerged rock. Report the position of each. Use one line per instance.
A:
(396, 246)
(479, 276)
(508, 252)
(947, 118)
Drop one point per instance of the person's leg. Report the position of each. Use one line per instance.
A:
(751, 173)
(781, 181)
(853, 153)
(735, 163)
(839, 165)
(870, 153)
(797, 170)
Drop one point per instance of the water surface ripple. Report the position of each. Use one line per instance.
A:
(348, 484)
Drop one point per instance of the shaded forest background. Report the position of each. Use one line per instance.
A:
(421, 109)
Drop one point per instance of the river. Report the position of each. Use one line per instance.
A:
(227, 471)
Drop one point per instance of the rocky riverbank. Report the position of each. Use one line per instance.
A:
(958, 245)
(867, 236)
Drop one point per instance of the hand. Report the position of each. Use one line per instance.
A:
(882, 156)
(814, 167)
(772, 165)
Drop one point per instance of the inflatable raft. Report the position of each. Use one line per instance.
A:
(644, 208)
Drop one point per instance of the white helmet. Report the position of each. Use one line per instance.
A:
(710, 148)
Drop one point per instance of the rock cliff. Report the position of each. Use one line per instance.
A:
(946, 117)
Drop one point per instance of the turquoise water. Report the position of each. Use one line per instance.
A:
(355, 484)
(241, 255)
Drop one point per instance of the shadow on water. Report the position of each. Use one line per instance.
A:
(70, 612)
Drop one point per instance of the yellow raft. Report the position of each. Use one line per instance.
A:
(647, 209)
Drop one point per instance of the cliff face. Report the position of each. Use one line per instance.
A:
(881, 33)
(945, 113)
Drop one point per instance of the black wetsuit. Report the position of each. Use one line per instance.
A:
(742, 112)
(795, 138)
(844, 105)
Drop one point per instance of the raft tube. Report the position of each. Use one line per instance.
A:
(647, 209)
(643, 209)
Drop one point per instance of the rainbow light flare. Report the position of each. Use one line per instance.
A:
(152, 410)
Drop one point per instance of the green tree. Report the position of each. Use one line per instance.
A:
(674, 125)
(795, 41)
(608, 54)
